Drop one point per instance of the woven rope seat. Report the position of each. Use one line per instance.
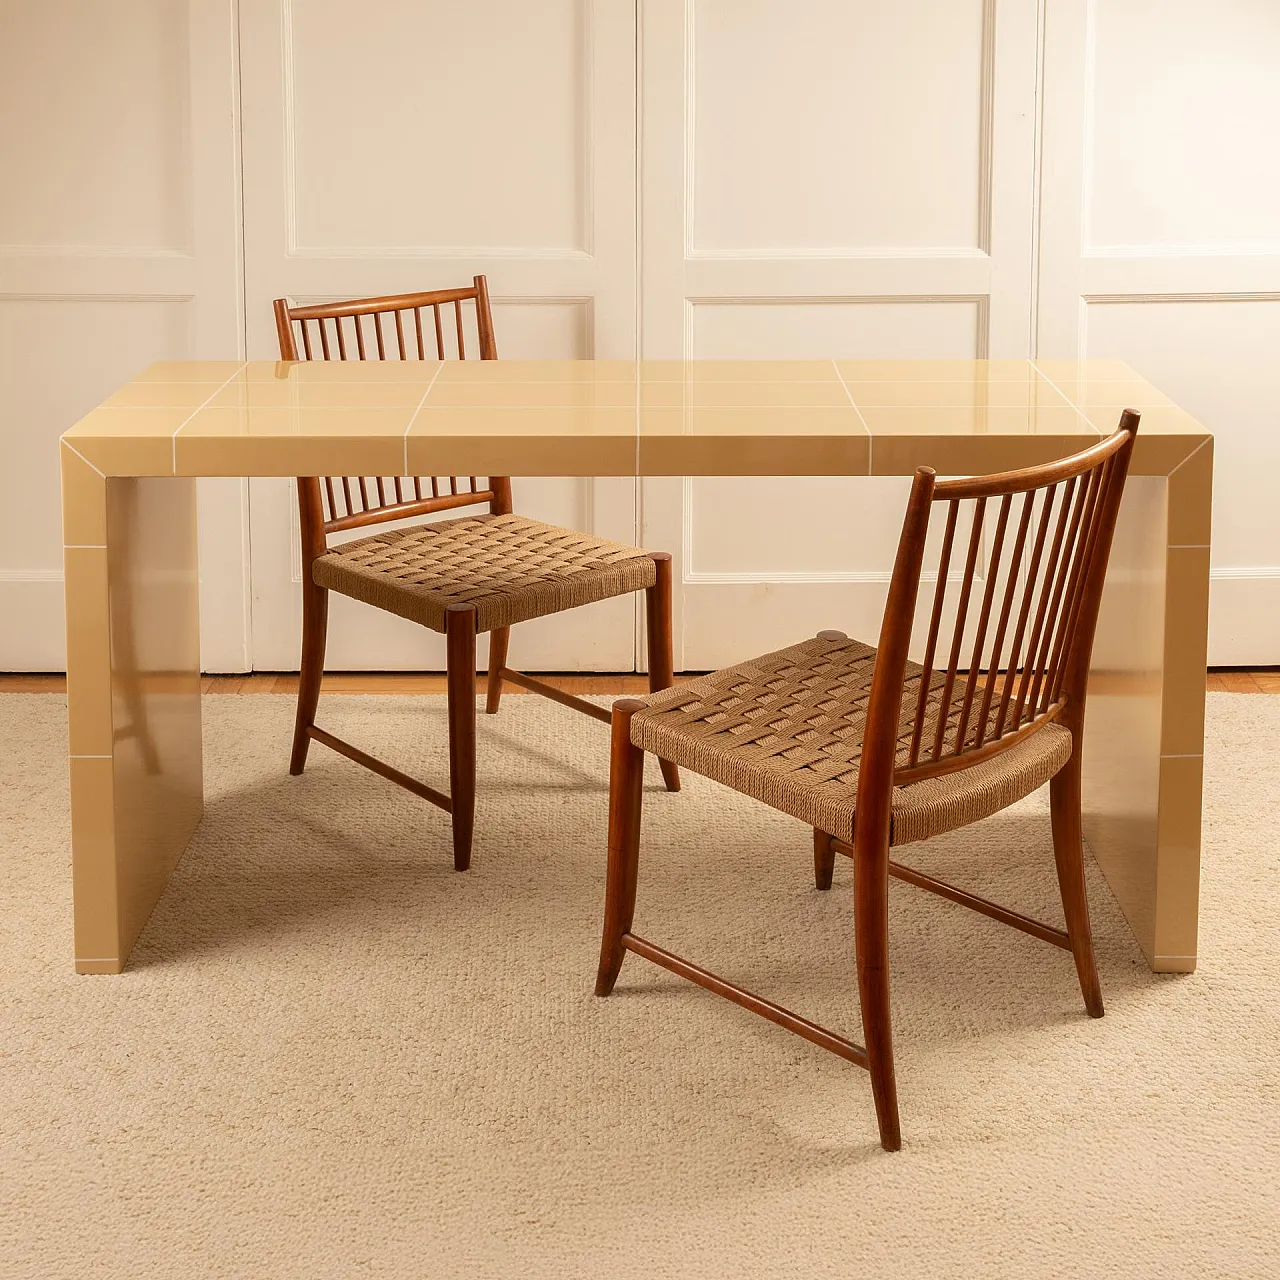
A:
(787, 729)
(510, 568)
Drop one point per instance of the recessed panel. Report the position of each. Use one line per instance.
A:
(439, 125)
(841, 329)
(830, 125)
(1186, 113)
(809, 528)
(94, 124)
(541, 330)
(1217, 360)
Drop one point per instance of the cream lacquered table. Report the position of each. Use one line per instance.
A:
(129, 521)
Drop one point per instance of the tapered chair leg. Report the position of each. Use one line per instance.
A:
(1068, 853)
(315, 625)
(661, 651)
(460, 640)
(497, 660)
(626, 787)
(824, 859)
(871, 926)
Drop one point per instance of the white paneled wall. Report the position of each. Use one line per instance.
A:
(711, 178)
(494, 137)
(119, 228)
(1160, 245)
(827, 179)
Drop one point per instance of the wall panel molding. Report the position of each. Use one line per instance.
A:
(985, 165)
(296, 244)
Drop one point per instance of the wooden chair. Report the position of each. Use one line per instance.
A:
(461, 576)
(832, 728)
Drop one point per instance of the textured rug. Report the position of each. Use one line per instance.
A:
(333, 1056)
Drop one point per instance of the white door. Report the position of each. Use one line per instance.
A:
(118, 248)
(1160, 246)
(448, 139)
(821, 180)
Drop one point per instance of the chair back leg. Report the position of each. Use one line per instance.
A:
(626, 787)
(824, 859)
(497, 660)
(661, 649)
(315, 625)
(1068, 853)
(460, 642)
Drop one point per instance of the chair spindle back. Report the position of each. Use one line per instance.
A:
(388, 328)
(1031, 615)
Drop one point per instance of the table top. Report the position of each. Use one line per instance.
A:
(621, 417)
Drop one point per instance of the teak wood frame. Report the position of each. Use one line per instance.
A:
(1049, 664)
(330, 504)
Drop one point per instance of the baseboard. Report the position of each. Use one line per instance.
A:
(1244, 617)
(33, 635)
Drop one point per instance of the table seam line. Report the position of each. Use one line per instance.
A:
(82, 458)
(853, 404)
(1192, 454)
(220, 388)
(413, 417)
(1040, 373)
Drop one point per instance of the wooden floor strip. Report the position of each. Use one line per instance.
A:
(1238, 682)
(1266, 680)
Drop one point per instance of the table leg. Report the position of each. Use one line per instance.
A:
(1144, 732)
(133, 698)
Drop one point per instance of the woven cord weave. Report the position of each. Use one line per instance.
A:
(787, 729)
(510, 568)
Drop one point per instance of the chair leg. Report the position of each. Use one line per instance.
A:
(460, 639)
(497, 660)
(1068, 853)
(315, 625)
(661, 654)
(871, 926)
(626, 779)
(824, 859)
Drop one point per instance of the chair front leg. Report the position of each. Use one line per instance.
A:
(626, 789)
(661, 649)
(871, 927)
(460, 642)
(315, 625)
(1068, 854)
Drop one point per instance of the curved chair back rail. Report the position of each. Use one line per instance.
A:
(388, 328)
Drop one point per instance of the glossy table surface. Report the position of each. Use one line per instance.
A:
(617, 417)
(132, 575)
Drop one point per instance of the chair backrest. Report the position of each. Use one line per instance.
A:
(389, 328)
(1031, 615)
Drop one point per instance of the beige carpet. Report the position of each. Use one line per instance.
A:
(333, 1056)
